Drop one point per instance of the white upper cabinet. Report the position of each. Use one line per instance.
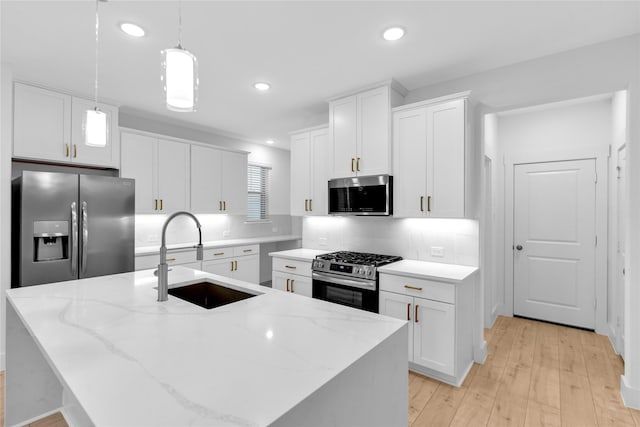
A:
(160, 168)
(430, 149)
(359, 132)
(49, 126)
(218, 181)
(310, 152)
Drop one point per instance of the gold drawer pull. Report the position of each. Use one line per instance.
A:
(293, 267)
(170, 259)
(248, 250)
(412, 287)
(218, 253)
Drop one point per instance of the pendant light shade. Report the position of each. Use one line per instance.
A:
(95, 128)
(95, 121)
(180, 78)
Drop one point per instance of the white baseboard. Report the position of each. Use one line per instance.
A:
(480, 353)
(630, 395)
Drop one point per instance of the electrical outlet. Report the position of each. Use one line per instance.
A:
(437, 251)
(226, 233)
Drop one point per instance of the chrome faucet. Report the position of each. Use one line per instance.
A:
(163, 268)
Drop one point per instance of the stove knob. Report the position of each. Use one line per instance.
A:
(361, 270)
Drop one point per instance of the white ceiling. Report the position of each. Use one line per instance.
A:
(308, 50)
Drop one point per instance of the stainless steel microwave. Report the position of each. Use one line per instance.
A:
(362, 195)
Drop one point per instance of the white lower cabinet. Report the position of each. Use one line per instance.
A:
(293, 283)
(440, 340)
(240, 262)
(186, 258)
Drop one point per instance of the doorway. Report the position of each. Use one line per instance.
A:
(554, 251)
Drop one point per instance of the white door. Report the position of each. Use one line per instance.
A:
(445, 163)
(300, 174)
(434, 326)
(41, 124)
(621, 237)
(373, 148)
(554, 242)
(301, 285)
(400, 307)
(280, 281)
(247, 269)
(205, 179)
(320, 155)
(173, 176)
(410, 157)
(222, 267)
(343, 131)
(234, 183)
(138, 162)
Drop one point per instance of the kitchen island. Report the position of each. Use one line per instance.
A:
(105, 353)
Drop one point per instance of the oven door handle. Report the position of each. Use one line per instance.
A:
(361, 284)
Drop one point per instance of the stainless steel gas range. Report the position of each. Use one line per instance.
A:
(349, 278)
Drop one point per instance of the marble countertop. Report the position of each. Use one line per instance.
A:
(130, 360)
(149, 250)
(429, 270)
(299, 254)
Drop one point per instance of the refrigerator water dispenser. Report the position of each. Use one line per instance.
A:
(50, 240)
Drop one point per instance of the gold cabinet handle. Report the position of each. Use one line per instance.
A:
(358, 164)
(421, 203)
(219, 205)
(247, 250)
(161, 204)
(306, 205)
(156, 208)
(218, 253)
(170, 259)
(412, 287)
(224, 205)
(408, 311)
(75, 151)
(236, 262)
(292, 284)
(231, 265)
(66, 152)
(429, 204)
(415, 315)
(310, 205)
(288, 285)
(353, 169)
(293, 267)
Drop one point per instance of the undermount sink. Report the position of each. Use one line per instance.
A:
(208, 294)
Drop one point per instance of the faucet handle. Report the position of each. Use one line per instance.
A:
(199, 252)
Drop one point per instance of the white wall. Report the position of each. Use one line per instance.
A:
(262, 154)
(410, 238)
(6, 120)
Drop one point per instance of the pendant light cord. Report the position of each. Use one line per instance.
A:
(95, 93)
(180, 24)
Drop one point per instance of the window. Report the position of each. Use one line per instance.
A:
(258, 193)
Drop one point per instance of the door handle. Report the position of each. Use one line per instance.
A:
(219, 205)
(66, 152)
(288, 285)
(161, 208)
(358, 164)
(306, 205)
(519, 247)
(74, 239)
(75, 151)
(408, 311)
(353, 169)
(292, 280)
(415, 316)
(224, 205)
(85, 238)
(421, 203)
(310, 205)
(428, 203)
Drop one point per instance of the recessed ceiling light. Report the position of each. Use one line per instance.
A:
(262, 86)
(270, 141)
(132, 29)
(393, 33)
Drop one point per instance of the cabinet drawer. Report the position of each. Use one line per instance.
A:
(246, 250)
(302, 268)
(429, 289)
(173, 258)
(217, 253)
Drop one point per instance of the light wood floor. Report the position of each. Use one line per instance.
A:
(536, 374)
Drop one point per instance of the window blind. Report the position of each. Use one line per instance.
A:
(258, 193)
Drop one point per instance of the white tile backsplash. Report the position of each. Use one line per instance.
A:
(411, 238)
(214, 227)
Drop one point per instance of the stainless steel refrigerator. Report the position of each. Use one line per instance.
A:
(69, 226)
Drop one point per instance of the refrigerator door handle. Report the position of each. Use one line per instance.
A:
(74, 239)
(85, 238)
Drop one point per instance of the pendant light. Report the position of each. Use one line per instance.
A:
(180, 75)
(95, 121)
